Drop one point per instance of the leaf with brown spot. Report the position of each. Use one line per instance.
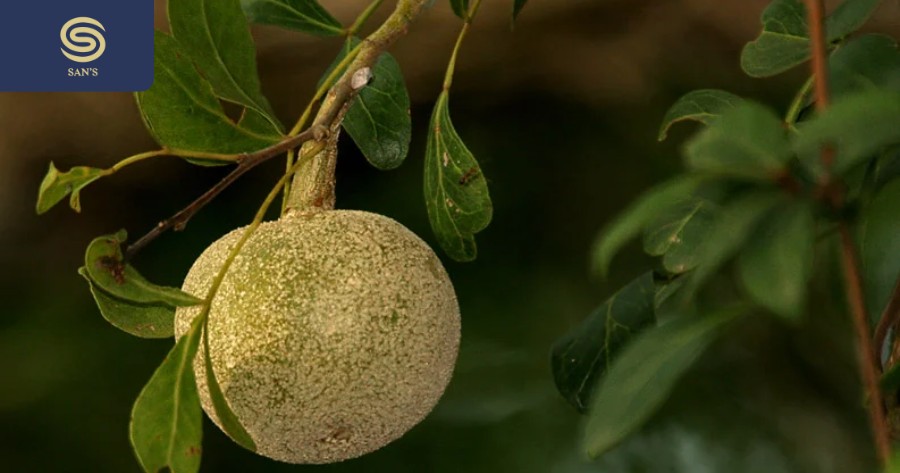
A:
(106, 268)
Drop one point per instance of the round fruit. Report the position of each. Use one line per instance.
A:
(331, 335)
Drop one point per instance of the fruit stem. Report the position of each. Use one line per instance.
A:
(313, 187)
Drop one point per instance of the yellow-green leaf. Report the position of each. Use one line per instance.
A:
(57, 185)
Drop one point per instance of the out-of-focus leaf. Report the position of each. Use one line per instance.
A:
(227, 418)
(784, 41)
(737, 221)
(57, 185)
(865, 63)
(880, 247)
(580, 358)
(378, 119)
(301, 15)
(140, 320)
(703, 106)
(518, 5)
(858, 126)
(182, 112)
(644, 374)
(776, 264)
(216, 36)
(747, 142)
(678, 235)
(105, 266)
(650, 206)
(456, 192)
(460, 8)
(166, 421)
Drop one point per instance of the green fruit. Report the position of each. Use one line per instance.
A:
(331, 335)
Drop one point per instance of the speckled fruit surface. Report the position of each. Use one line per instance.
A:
(331, 335)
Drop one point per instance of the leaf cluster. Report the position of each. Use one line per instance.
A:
(754, 202)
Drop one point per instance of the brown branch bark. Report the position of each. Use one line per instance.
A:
(245, 163)
(869, 366)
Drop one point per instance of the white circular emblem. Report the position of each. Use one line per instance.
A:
(84, 43)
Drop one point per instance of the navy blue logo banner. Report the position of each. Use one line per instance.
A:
(77, 46)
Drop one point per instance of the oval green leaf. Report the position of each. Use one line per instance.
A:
(678, 235)
(166, 420)
(215, 35)
(865, 63)
(140, 320)
(580, 358)
(747, 142)
(879, 241)
(776, 264)
(736, 222)
(378, 120)
(182, 113)
(460, 8)
(646, 209)
(105, 266)
(784, 40)
(301, 15)
(643, 375)
(858, 126)
(456, 192)
(702, 106)
(57, 185)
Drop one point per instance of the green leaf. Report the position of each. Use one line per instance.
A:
(518, 5)
(105, 265)
(378, 119)
(580, 358)
(736, 222)
(140, 320)
(227, 418)
(460, 8)
(456, 192)
(776, 265)
(216, 36)
(678, 235)
(644, 374)
(865, 63)
(890, 380)
(784, 41)
(301, 15)
(166, 421)
(848, 17)
(879, 241)
(56, 186)
(703, 106)
(182, 112)
(858, 126)
(645, 210)
(746, 142)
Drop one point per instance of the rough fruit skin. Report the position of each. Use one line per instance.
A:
(331, 335)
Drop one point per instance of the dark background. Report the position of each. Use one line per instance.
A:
(562, 113)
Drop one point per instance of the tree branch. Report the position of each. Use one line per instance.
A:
(313, 186)
(245, 162)
(868, 363)
(869, 366)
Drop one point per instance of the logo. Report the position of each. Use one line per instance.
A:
(86, 43)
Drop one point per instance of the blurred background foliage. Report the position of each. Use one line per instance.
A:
(563, 113)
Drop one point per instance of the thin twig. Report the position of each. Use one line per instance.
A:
(868, 363)
(245, 162)
(869, 366)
